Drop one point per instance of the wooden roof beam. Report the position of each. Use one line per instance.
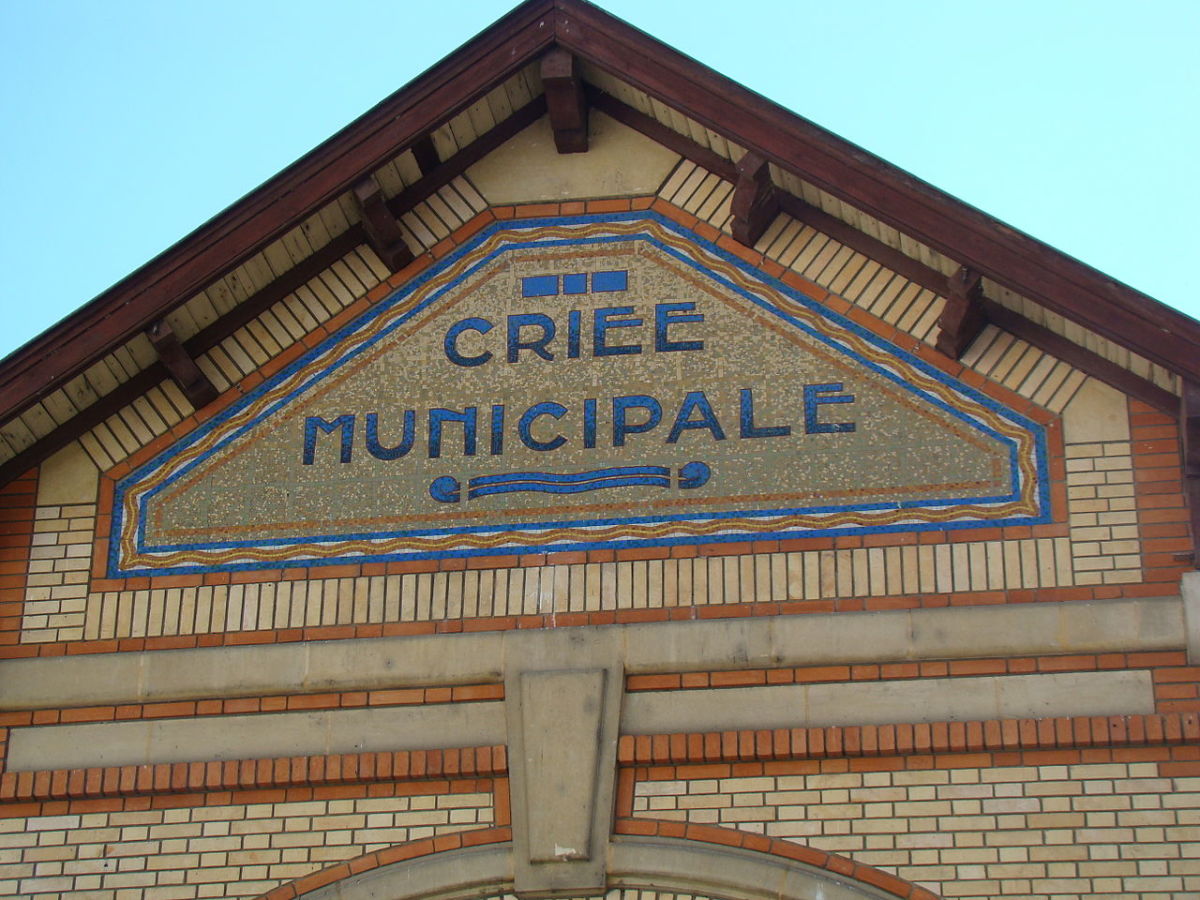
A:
(127, 391)
(566, 101)
(382, 229)
(36, 369)
(321, 259)
(1189, 421)
(196, 386)
(755, 201)
(425, 153)
(867, 183)
(914, 270)
(963, 316)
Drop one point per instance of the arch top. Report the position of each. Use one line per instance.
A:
(680, 867)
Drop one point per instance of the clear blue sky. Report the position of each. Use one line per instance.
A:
(126, 124)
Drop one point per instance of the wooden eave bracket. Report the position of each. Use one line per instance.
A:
(321, 259)
(382, 230)
(755, 201)
(565, 101)
(1189, 421)
(963, 316)
(192, 381)
(425, 153)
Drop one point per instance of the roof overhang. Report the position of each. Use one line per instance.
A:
(960, 232)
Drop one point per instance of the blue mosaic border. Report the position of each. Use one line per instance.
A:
(1043, 490)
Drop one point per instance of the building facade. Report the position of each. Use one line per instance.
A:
(581, 477)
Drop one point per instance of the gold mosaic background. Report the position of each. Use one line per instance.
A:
(902, 448)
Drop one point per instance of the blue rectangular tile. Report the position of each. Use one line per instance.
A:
(575, 284)
(539, 286)
(603, 282)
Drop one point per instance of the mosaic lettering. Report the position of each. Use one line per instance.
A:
(569, 383)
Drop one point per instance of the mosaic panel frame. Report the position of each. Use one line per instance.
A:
(1026, 502)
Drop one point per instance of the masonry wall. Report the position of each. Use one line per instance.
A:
(236, 844)
(1052, 795)
(960, 825)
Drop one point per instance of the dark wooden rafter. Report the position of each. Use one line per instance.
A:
(254, 306)
(447, 171)
(149, 378)
(879, 189)
(382, 230)
(963, 316)
(425, 153)
(1016, 261)
(1189, 420)
(566, 101)
(1038, 335)
(180, 365)
(755, 201)
(216, 248)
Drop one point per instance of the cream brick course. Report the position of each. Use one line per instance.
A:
(1049, 833)
(224, 851)
(63, 550)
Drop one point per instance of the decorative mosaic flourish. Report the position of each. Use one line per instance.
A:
(573, 383)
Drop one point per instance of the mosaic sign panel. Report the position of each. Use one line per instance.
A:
(572, 383)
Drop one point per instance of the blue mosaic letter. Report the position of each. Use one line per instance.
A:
(516, 345)
(377, 449)
(602, 321)
(695, 400)
(525, 425)
(668, 314)
(315, 423)
(813, 399)
(621, 405)
(483, 326)
(749, 429)
(439, 416)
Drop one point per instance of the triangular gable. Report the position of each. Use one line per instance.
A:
(1128, 340)
(401, 182)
